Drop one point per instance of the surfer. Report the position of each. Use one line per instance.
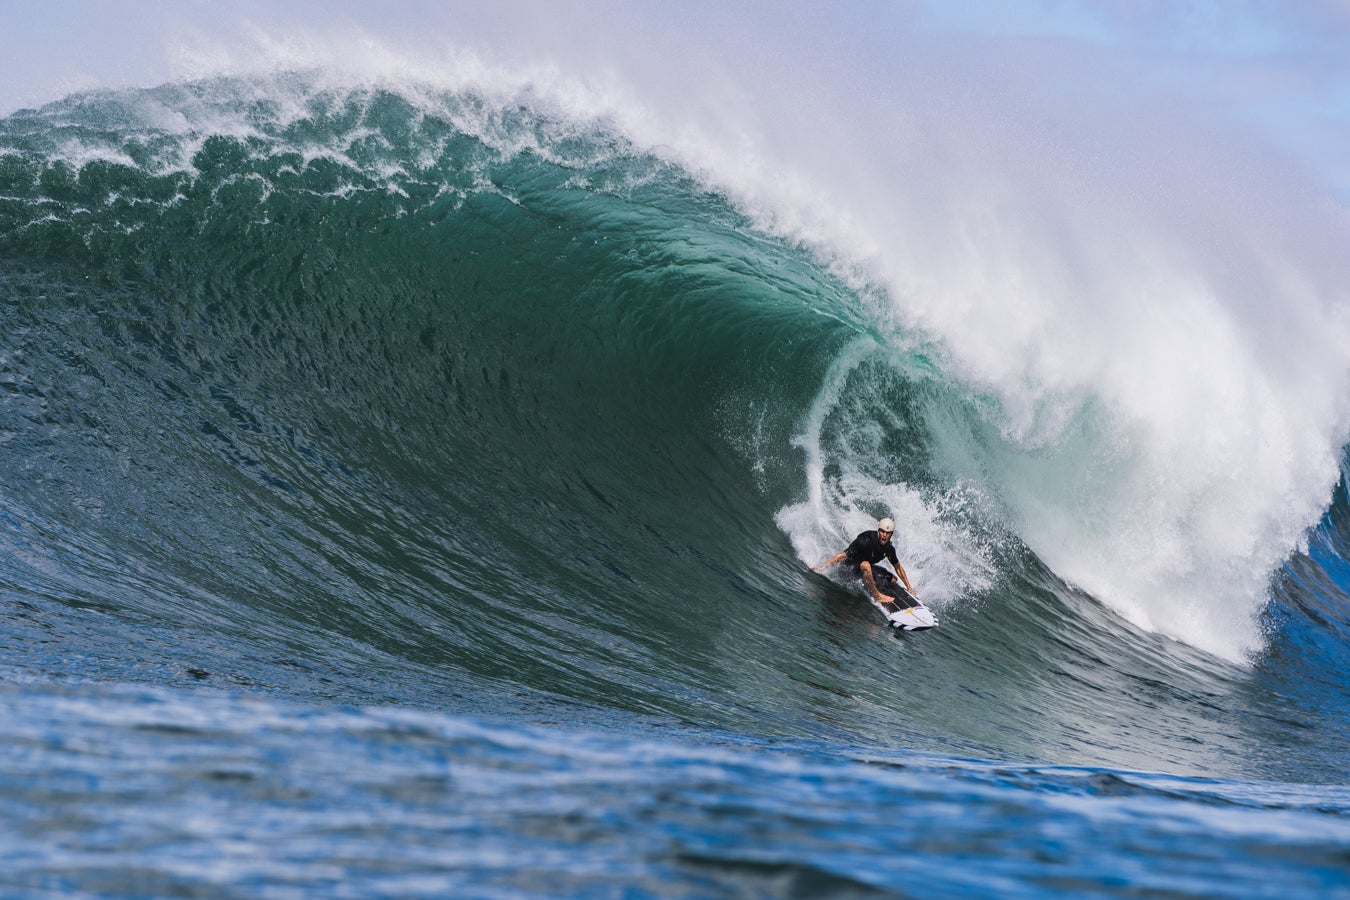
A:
(868, 549)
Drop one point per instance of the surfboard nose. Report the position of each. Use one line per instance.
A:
(916, 619)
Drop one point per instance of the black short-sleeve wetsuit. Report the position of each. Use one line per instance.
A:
(867, 547)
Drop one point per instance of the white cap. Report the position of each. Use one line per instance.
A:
(886, 525)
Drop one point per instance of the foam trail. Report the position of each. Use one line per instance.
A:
(845, 495)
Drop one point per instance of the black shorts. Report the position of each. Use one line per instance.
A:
(888, 584)
(879, 575)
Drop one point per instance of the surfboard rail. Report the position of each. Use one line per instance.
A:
(907, 614)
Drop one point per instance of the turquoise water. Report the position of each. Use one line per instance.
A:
(409, 492)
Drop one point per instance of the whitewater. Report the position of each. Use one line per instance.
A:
(412, 461)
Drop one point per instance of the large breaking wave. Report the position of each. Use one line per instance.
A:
(416, 386)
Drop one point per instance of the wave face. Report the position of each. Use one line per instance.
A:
(453, 398)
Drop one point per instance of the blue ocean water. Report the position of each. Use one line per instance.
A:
(408, 491)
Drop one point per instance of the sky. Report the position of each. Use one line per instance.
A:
(1283, 68)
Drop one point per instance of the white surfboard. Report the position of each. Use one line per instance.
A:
(906, 612)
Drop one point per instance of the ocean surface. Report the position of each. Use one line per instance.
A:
(408, 490)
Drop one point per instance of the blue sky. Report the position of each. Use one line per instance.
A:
(1283, 68)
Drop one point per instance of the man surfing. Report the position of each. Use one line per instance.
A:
(868, 549)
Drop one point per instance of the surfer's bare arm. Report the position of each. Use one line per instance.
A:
(833, 560)
(905, 578)
(872, 584)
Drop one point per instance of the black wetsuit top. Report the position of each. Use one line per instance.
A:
(867, 547)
